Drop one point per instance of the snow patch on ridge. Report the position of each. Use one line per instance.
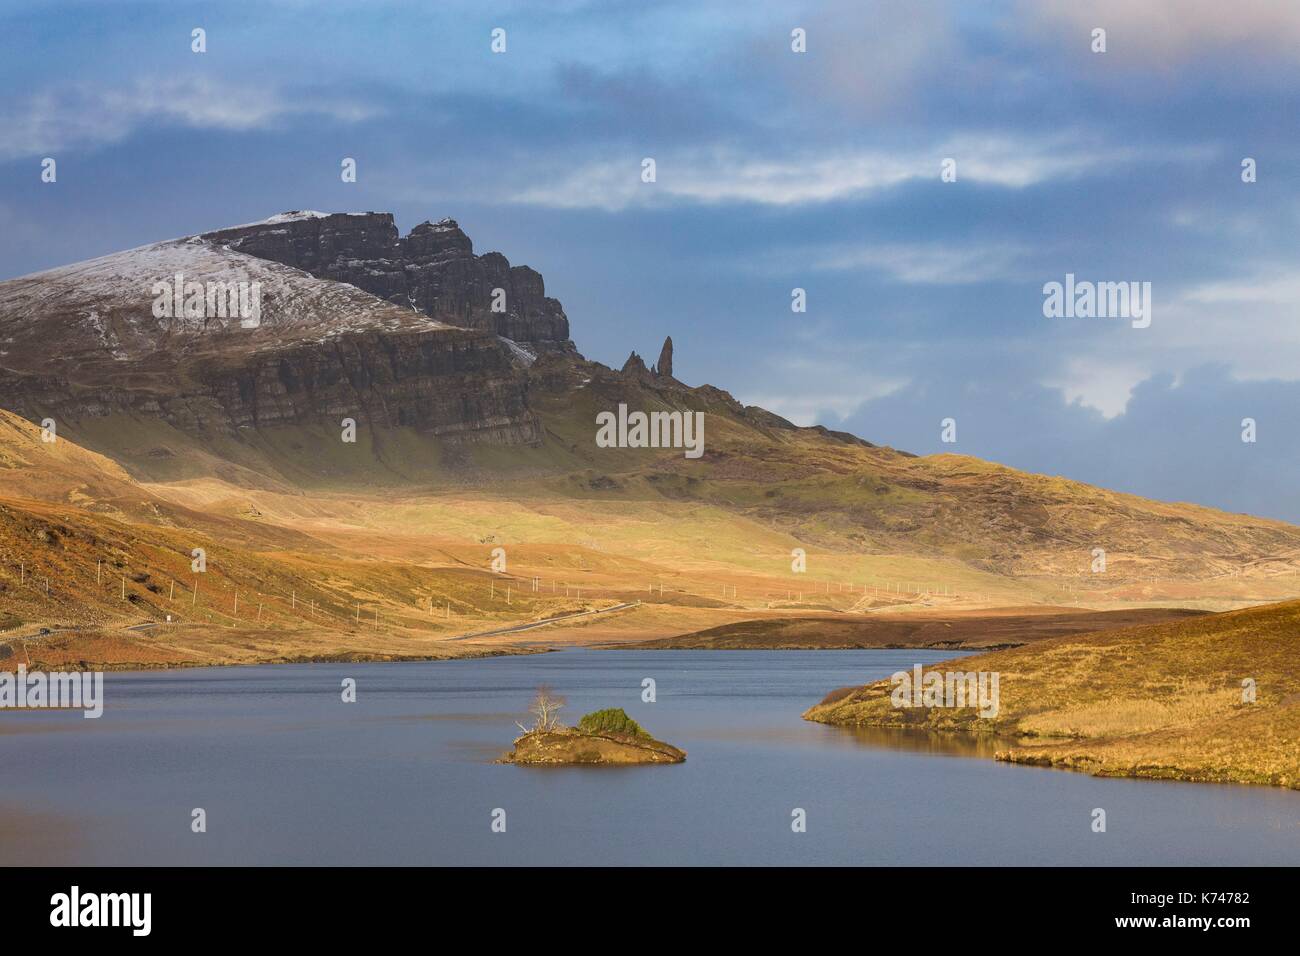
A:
(292, 215)
(104, 306)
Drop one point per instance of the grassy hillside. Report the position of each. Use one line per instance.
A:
(865, 514)
(988, 630)
(1164, 700)
(85, 545)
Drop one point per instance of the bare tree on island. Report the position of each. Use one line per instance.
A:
(545, 708)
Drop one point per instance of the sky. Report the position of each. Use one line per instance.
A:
(774, 170)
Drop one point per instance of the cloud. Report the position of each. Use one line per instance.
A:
(83, 116)
(824, 402)
(1106, 386)
(1173, 31)
(818, 376)
(1278, 288)
(1179, 439)
(737, 175)
(1249, 323)
(951, 262)
(871, 56)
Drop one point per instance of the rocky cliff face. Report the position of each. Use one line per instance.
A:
(448, 384)
(84, 346)
(433, 269)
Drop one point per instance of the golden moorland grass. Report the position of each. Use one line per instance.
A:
(1164, 700)
(350, 564)
(987, 629)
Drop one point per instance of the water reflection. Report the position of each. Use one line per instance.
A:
(919, 740)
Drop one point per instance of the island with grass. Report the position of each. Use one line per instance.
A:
(604, 737)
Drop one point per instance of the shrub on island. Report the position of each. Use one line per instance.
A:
(611, 720)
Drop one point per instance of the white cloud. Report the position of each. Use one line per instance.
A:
(1249, 324)
(736, 176)
(1277, 289)
(78, 117)
(807, 389)
(1098, 383)
(933, 263)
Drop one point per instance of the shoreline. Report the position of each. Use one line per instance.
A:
(115, 667)
(936, 630)
(1160, 774)
(1082, 764)
(1204, 699)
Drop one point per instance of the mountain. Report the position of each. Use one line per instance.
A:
(432, 269)
(180, 414)
(83, 345)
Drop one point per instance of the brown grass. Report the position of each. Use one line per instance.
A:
(1163, 700)
(984, 630)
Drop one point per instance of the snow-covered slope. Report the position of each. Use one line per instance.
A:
(155, 379)
(104, 309)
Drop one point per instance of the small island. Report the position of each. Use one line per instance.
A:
(603, 737)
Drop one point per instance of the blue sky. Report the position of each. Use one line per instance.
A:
(776, 170)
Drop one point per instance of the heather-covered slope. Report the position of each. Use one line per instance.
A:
(1162, 700)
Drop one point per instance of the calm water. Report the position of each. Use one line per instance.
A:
(290, 774)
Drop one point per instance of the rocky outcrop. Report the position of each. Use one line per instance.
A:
(433, 269)
(664, 367)
(635, 366)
